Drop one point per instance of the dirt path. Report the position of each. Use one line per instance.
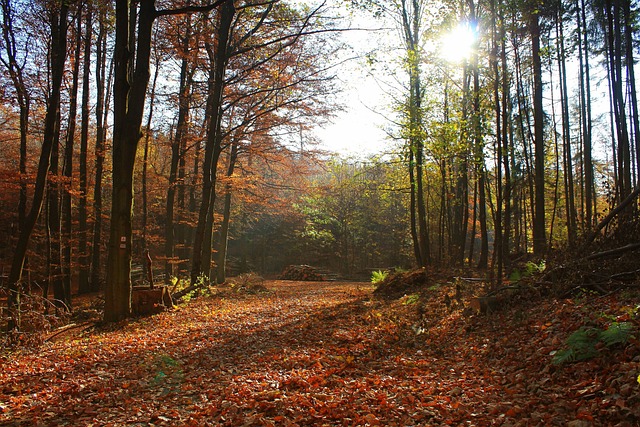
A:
(306, 354)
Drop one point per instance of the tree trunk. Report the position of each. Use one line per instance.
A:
(218, 59)
(566, 138)
(177, 154)
(68, 157)
(614, 38)
(461, 172)
(478, 144)
(585, 93)
(221, 256)
(412, 210)
(101, 66)
(631, 81)
(145, 160)
(83, 228)
(24, 102)
(539, 224)
(130, 88)
(58, 57)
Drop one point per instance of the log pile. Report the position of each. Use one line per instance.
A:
(302, 273)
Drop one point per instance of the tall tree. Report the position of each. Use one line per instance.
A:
(539, 222)
(67, 210)
(58, 26)
(585, 110)
(187, 70)
(132, 54)
(83, 227)
(100, 118)
(16, 69)
(218, 58)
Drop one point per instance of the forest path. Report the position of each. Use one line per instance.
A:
(304, 353)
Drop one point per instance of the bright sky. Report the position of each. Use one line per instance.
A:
(357, 130)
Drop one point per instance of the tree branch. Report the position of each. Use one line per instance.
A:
(189, 9)
(616, 251)
(630, 198)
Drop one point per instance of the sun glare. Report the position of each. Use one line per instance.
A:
(458, 44)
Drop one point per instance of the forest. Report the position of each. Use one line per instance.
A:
(163, 157)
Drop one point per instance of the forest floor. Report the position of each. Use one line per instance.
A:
(331, 354)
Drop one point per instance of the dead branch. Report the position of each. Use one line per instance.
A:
(614, 252)
(626, 202)
(66, 328)
(178, 295)
(626, 275)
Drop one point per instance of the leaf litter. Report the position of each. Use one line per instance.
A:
(329, 354)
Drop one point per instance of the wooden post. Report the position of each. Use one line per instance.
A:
(149, 269)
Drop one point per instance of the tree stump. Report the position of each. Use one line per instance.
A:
(145, 301)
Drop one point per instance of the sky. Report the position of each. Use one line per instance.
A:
(357, 130)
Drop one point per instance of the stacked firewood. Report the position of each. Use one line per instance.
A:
(301, 272)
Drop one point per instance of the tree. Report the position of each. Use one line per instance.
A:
(11, 62)
(539, 221)
(58, 27)
(100, 118)
(131, 79)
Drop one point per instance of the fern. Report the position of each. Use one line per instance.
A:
(411, 299)
(567, 355)
(581, 345)
(378, 276)
(617, 333)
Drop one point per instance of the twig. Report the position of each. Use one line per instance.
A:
(471, 279)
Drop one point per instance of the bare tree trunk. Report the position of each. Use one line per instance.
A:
(221, 256)
(130, 88)
(23, 97)
(101, 90)
(219, 58)
(145, 160)
(54, 261)
(83, 227)
(566, 138)
(631, 81)
(539, 223)
(614, 39)
(412, 210)
(58, 57)
(68, 156)
(177, 153)
(478, 144)
(585, 94)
